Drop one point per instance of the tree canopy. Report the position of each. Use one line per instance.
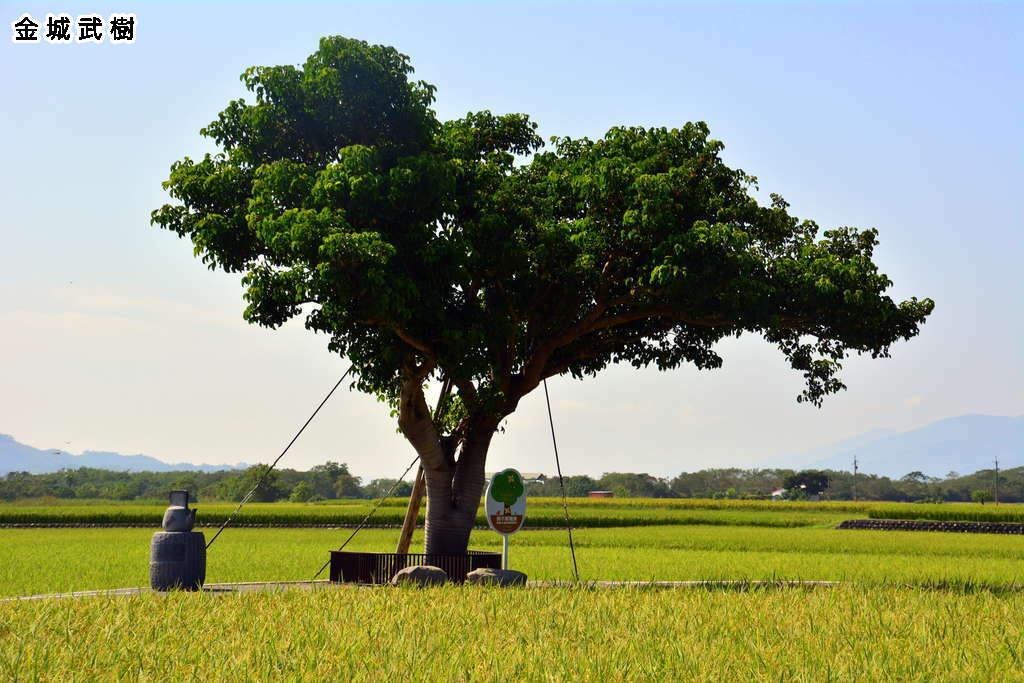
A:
(463, 250)
(422, 246)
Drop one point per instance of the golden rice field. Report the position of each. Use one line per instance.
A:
(578, 633)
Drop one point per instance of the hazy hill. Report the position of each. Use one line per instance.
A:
(17, 457)
(963, 444)
(959, 444)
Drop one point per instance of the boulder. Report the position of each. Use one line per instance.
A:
(420, 575)
(496, 577)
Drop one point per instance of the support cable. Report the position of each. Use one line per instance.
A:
(267, 472)
(370, 513)
(561, 484)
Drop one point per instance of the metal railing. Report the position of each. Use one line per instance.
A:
(378, 568)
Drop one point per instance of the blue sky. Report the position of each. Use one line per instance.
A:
(900, 116)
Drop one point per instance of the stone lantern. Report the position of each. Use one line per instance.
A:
(177, 555)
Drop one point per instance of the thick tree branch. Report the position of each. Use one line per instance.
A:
(535, 369)
(466, 389)
(653, 313)
(418, 344)
(609, 343)
(415, 421)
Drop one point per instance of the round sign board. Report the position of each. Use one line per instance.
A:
(505, 502)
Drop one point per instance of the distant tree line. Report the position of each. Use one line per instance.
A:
(828, 484)
(327, 481)
(334, 480)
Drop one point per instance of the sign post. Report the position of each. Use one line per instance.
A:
(505, 506)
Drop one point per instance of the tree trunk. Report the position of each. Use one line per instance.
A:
(453, 485)
(453, 494)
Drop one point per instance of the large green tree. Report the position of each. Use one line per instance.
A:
(429, 249)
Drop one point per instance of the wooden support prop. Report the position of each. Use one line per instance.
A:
(412, 512)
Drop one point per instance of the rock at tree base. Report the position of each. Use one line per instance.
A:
(496, 577)
(421, 575)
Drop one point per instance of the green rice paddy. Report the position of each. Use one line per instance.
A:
(910, 605)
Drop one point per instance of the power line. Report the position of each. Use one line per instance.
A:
(248, 496)
(855, 478)
(996, 483)
(561, 484)
(369, 514)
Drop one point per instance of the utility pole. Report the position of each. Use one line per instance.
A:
(855, 478)
(996, 486)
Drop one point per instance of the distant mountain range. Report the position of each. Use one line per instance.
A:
(963, 444)
(17, 457)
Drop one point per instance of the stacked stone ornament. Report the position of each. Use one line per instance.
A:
(177, 555)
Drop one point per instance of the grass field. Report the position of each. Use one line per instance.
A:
(47, 560)
(543, 512)
(913, 605)
(843, 633)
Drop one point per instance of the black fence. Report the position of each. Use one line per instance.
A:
(347, 567)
